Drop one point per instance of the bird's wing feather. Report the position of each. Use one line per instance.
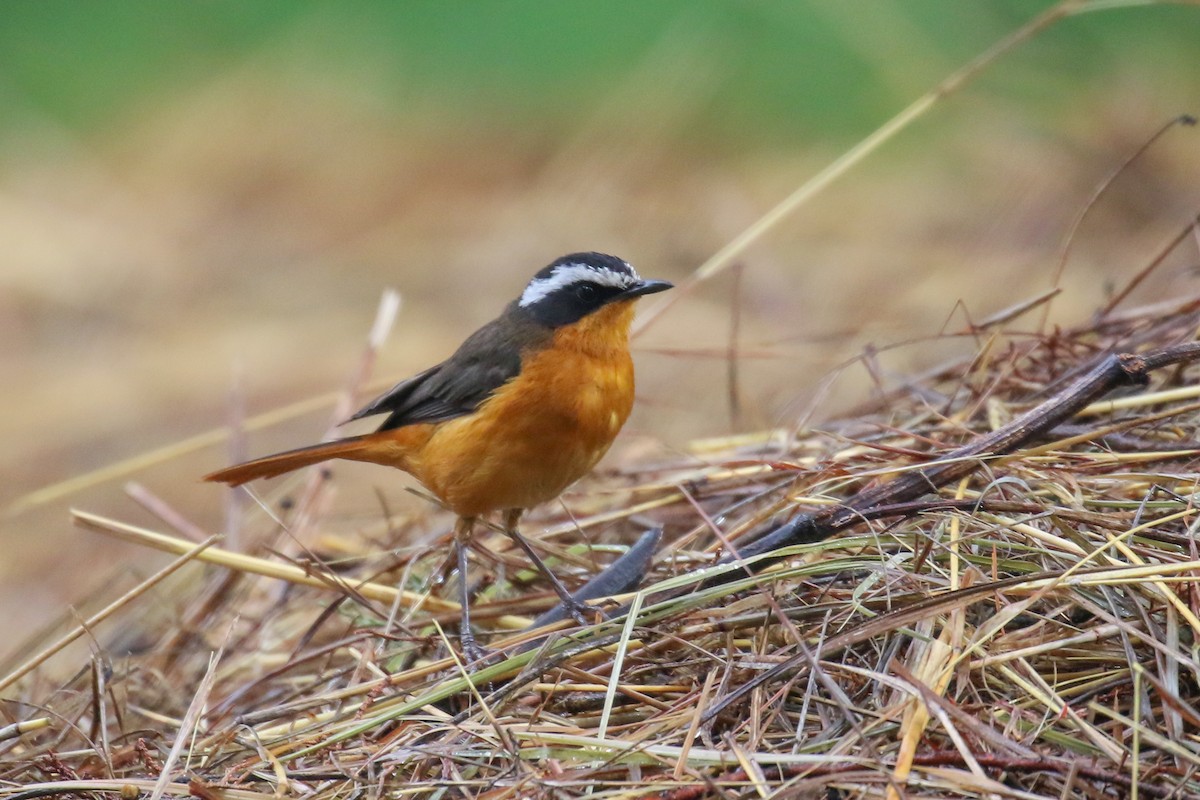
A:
(451, 389)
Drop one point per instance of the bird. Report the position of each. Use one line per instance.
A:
(526, 406)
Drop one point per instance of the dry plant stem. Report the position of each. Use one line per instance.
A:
(733, 360)
(997, 763)
(161, 455)
(1183, 119)
(306, 508)
(876, 139)
(1113, 370)
(187, 726)
(25, 726)
(287, 572)
(1158, 259)
(909, 613)
(163, 510)
(184, 558)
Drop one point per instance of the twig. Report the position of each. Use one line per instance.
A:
(272, 569)
(1143, 273)
(1113, 370)
(733, 357)
(1069, 239)
(868, 145)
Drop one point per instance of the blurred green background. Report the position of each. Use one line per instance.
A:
(771, 72)
(198, 195)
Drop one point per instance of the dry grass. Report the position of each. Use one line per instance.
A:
(1036, 642)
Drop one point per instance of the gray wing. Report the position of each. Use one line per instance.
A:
(453, 388)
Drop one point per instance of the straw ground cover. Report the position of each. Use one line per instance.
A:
(1027, 631)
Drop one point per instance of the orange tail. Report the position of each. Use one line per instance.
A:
(355, 448)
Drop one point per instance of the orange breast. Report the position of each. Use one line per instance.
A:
(541, 431)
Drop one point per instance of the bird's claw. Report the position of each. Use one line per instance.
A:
(474, 654)
(583, 613)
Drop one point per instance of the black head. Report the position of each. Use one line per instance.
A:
(580, 283)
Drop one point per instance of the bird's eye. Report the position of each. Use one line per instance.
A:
(585, 292)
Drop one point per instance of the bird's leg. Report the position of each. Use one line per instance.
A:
(579, 611)
(466, 637)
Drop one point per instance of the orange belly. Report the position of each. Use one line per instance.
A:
(532, 439)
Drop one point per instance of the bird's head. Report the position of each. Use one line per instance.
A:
(581, 284)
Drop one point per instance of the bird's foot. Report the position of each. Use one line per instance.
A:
(581, 612)
(474, 654)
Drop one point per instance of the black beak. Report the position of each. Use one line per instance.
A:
(646, 287)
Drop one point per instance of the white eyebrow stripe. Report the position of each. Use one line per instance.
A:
(566, 274)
